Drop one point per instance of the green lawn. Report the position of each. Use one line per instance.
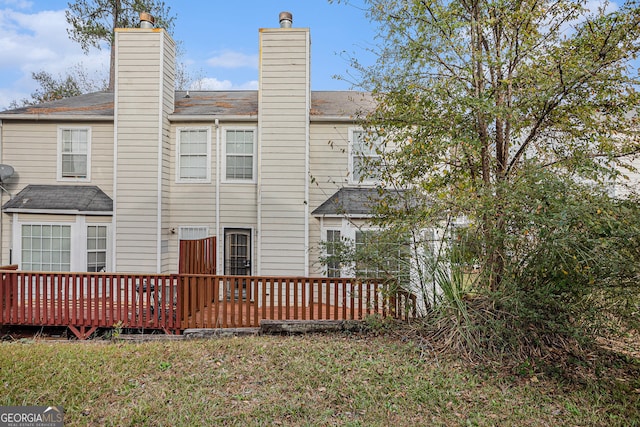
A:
(299, 380)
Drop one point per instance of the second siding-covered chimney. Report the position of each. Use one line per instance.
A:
(283, 178)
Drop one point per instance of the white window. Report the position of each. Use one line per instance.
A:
(193, 232)
(373, 253)
(332, 245)
(46, 247)
(239, 146)
(194, 148)
(364, 157)
(379, 254)
(74, 153)
(96, 248)
(71, 246)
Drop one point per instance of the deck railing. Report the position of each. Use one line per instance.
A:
(87, 301)
(242, 301)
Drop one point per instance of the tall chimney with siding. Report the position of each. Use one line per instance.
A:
(144, 92)
(283, 155)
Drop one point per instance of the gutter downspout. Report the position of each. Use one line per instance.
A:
(218, 174)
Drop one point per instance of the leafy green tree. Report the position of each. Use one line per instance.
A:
(516, 115)
(472, 93)
(93, 22)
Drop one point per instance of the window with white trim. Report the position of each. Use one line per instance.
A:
(46, 247)
(96, 248)
(332, 243)
(194, 161)
(380, 254)
(74, 150)
(239, 149)
(364, 167)
(193, 232)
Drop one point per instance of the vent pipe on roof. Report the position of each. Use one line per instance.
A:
(286, 19)
(146, 20)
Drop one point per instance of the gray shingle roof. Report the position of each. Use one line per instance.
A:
(329, 104)
(349, 201)
(91, 104)
(86, 199)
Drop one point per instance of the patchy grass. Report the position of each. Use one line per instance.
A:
(305, 380)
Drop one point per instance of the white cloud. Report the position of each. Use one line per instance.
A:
(8, 95)
(18, 4)
(211, 83)
(36, 42)
(231, 59)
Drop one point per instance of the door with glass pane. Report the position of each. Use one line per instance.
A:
(237, 261)
(237, 252)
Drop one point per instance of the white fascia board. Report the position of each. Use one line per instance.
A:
(58, 212)
(61, 118)
(174, 118)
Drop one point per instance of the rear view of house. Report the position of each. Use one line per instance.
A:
(114, 181)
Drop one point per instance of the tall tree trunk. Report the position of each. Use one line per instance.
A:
(117, 9)
(112, 67)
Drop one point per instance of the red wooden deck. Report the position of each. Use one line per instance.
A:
(87, 301)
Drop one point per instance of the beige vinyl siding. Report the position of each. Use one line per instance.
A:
(43, 218)
(98, 219)
(26, 145)
(329, 161)
(238, 205)
(284, 120)
(142, 125)
(168, 263)
(194, 203)
(31, 148)
(190, 204)
(329, 167)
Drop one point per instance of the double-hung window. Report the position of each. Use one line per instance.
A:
(365, 157)
(96, 248)
(332, 249)
(379, 254)
(240, 149)
(194, 148)
(74, 153)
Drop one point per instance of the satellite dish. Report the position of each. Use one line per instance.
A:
(6, 171)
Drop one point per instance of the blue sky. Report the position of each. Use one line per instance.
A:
(219, 40)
